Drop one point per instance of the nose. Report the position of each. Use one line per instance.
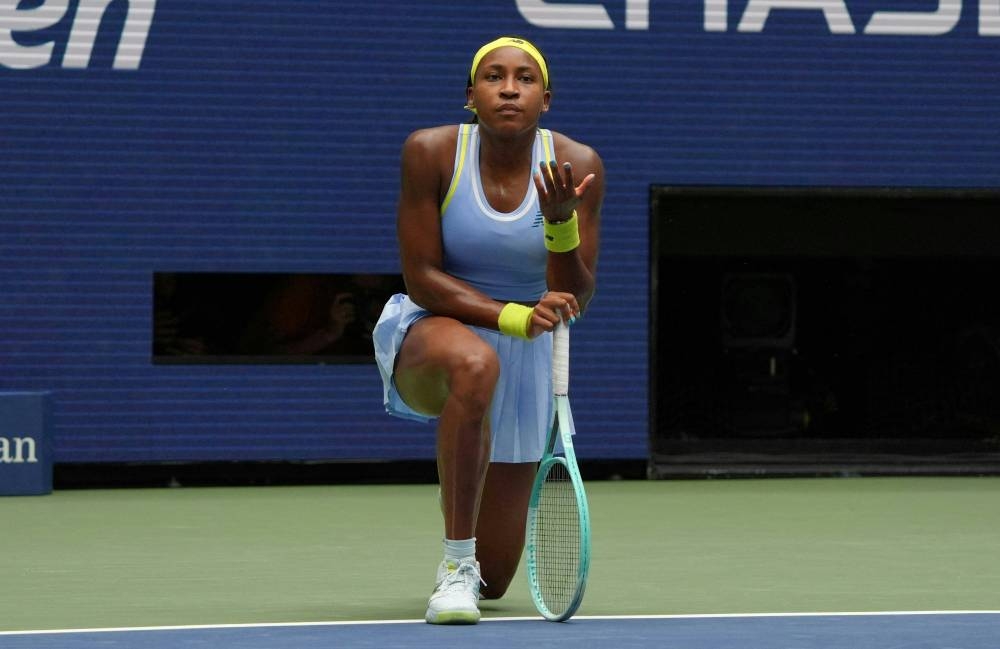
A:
(509, 88)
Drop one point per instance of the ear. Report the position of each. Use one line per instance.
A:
(468, 98)
(546, 100)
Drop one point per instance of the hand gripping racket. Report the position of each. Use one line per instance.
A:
(558, 527)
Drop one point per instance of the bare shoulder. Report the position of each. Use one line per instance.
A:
(436, 139)
(428, 159)
(583, 157)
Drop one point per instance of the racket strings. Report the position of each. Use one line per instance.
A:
(557, 540)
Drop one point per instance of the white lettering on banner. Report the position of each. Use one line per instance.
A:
(594, 15)
(932, 23)
(637, 14)
(716, 15)
(20, 445)
(835, 12)
(989, 17)
(80, 45)
(568, 16)
(23, 57)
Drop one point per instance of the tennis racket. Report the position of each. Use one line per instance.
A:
(558, 527)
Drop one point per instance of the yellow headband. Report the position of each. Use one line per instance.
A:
(510, 41)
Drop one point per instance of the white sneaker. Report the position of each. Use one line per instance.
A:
(456, 595)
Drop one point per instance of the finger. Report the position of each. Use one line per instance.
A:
(539, 186)
(569, 315)
(570, 301)
(553, 316)
(568, 174)
(557, 177)
(547, 195)
(540, 322)
(550, 183)
(548, 310)
(563, 309)
(584, 184)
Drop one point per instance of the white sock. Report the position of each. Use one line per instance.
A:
(458, 549)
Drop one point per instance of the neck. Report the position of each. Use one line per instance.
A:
(505, 169)
(501, 152)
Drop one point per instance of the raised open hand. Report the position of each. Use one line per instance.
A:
(558, 195)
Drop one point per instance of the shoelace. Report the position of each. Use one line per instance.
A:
(464, 573)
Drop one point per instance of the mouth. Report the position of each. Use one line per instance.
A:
(508, 109)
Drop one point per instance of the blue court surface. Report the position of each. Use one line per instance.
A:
(907, 630)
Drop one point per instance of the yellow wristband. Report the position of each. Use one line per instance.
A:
(562, 237)
(515, 319)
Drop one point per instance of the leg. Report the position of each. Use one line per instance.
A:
(445, 369)
(503, 514)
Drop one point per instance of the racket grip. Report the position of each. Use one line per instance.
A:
(560, 359)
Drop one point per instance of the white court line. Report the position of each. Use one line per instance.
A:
(681, 616)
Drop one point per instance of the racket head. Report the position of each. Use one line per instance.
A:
(558, 537)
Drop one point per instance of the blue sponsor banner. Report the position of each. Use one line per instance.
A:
(145, 136)
(25, 444)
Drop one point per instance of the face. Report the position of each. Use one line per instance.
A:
(508, 90)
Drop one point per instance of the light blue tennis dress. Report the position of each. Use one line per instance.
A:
(504, 256)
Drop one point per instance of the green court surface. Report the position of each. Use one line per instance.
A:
(189, 556)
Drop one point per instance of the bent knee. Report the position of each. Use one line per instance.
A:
(495, 588)
(438, 362)
(473, 375)
(475, 368)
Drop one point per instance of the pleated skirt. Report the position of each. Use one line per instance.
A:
(521, 411)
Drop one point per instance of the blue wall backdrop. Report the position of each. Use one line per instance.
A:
(254, 136)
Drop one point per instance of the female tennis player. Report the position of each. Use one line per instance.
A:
(498, 233)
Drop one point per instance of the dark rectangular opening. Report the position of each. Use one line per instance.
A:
(818, 330)
(267, 317)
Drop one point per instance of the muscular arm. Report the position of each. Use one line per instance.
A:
(575, 271)
(426, 162)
